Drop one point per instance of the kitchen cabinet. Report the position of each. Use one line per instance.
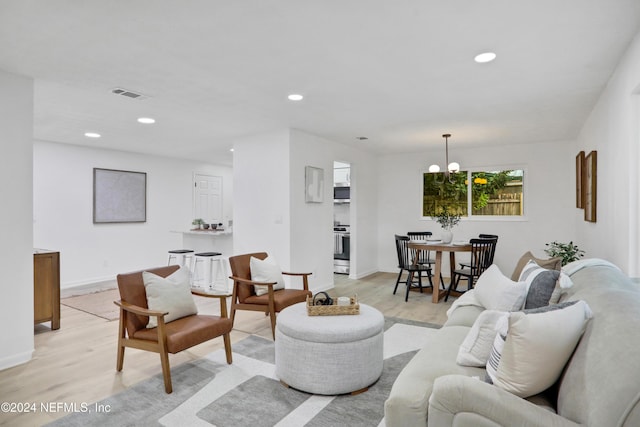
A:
(46, 287)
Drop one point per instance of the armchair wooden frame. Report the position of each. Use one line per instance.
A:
(241, 299)
(163, 333)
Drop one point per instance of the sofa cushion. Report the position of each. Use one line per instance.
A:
(541, 283)
(409, 397)
(476, 347)
(171, 294)
(550, 263)
(266, 270)
(495, 291)
(531, 349)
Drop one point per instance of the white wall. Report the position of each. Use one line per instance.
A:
(549, 200)
(261, 197)
(63, 210)
(16, 262)
(270, 210)
(312, 223)
(613, 130)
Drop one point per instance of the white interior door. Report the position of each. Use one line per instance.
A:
(207, 198)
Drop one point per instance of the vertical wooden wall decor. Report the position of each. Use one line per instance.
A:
(590, 184)
(580, 179)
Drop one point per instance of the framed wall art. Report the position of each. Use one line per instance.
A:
(119, 196)
(590, 186)
(314, 184)
(580, 180)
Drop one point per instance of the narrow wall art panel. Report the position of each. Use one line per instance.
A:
(314, 184)
(580, 180)
(591, 186)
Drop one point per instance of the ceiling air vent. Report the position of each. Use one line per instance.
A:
(128, 93)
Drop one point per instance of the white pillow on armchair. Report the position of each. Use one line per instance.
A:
(266, 270)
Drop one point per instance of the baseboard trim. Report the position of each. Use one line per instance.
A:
(88, 287)
(16, 359)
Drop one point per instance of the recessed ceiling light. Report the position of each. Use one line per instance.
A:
(231, 149)
(146, 120)
(485, 57)
(295, 97)
(92, 135)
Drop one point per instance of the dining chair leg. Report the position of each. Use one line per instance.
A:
(397, 282)
(451, 282)
(408, 283)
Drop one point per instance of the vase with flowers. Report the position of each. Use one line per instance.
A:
(447, 220)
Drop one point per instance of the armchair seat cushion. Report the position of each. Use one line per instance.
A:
(188, 331)
(282, 299)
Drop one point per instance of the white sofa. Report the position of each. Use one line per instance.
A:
(600, 384)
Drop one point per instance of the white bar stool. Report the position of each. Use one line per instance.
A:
(215, 281)
(180, 255)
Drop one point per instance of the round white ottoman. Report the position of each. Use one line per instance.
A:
(329, 354)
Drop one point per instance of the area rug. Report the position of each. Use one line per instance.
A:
(208, 392)
(98, 303)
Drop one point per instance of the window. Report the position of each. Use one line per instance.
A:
(439, 192)
(497, 193)
(475, 193)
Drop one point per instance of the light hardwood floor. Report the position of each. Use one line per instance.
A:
(76, 364)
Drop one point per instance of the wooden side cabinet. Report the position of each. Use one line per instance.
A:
(46, 287)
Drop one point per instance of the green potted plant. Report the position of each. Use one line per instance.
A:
(447, 221)
(567, 251)
(197, 223)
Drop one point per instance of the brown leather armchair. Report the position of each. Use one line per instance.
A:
(171, 337)
(274, 301)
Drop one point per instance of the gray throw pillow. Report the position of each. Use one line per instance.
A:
(541, 284)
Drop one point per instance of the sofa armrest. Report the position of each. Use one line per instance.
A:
(459, 400)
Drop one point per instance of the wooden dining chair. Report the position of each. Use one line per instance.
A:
(406, 257)
(424, 257)
(466, 264)
(165, 338)
(482, 251)
(245, 298)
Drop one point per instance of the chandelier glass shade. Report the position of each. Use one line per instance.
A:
(452, 167)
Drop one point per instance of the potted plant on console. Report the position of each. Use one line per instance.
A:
(197, 223)
(567, 251)
(447, 220)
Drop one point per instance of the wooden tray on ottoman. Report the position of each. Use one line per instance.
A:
(334, 309)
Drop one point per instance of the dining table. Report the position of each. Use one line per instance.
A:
(439, 248)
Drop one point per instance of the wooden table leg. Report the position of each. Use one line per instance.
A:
(452, 262)
(435, 297)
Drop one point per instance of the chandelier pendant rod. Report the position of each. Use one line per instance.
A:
(446, 151)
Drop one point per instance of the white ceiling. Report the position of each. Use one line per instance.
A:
(398, 72)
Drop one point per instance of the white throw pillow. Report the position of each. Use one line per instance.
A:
(495, 291)
(266, 270)
(171, 294)
(536, 348)
(476, 347)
